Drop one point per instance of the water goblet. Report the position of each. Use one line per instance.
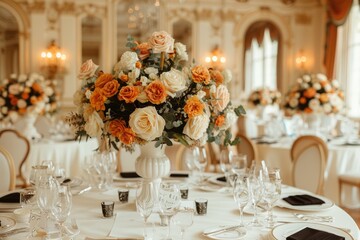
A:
(200, 160)
(255, 189)
(145, 201)
(62, 208)
(272, 193)
(238, 163)
(169, 202)
(225, 164)
(241, 196)
(184, 218)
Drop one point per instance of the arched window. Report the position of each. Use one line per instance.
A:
(262, 41)
(347, 60)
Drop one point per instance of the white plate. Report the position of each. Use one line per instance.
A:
(232, 234)
(328, 203)
(215, 181)
(280, 232)
(7, 224)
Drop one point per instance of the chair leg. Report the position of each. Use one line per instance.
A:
(340, 192)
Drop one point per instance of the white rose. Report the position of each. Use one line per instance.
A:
(327, 108)
(336, 101)
(196, 127)
(87, 69)
(161, 42)
(14, 89)
(293, 102)
(321, 77)
(88, 94)
(94, 125)
(144, 81)
(142, 97)
(314, 104)
(127, 62)
(335, 83)
(13, 116)
(200, 94)
(174, 81)
(49, 91)
(133, 75)
(78, 97)
(21, 103)
(221, 98)
(181, 53)
(317, 86)
(227, 76)
(307, 78)
(29, 83)
(151, 70)
(22, 78)
(147, 123)
(327, 87)
(4, 110)
(230, 119)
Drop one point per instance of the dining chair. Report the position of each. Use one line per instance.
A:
(246, 146)
(351, 178)
(309, 156)
(8, 175)
(19, 148)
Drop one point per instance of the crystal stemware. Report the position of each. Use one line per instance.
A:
(255, 189)
(272, 193)
(200, 160)
(184, 218)
(225, 164)
(62, 208)
(169, 202)
(145, 201)
(239, 163)
(241, 196)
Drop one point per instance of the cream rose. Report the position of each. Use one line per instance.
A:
(227, 76)
(174, 81)
(142, 97)
(230, 119)
(127, 62)
(87, 69)
(196, 127)
(78, 98)
(221, 98)
(94, 125)
(147, 123)
(14, 89)
(161, 42)
(181, 54)
(21, 103)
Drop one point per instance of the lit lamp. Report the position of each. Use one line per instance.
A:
(216, 58)
(301, 60)
(52, 61)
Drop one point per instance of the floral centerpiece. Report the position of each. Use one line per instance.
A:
(264, 97)
(21, 95)
(153, 95)
(313, 93)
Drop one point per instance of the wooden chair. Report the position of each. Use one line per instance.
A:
(8, 175)
(309, 155)
(19, 147)
(246, 146)
(351, 178)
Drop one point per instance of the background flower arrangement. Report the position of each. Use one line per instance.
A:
(153, 95)
(264, 97)
(313, 93)
(20, 95)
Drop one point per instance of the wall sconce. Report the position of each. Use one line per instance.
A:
(215, 59)
(301, 60)
(52, 61)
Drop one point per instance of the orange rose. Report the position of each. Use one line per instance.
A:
(309, 93)
(200, 74)
(144, 50)
(323, 83)
(156, 92)
(138, 65)
(128, 94)
(128, 136)
(217, 77)
(302, 100)
(25, 95)
(22, 110)
(308, 110)
(103, 79)
(324, 97)
(117, 127)
(110, 88)
(37, 87)
(194, 107)
(124, 78)
(97, 100)
(33, 100)
(220, 120)
(13, 101)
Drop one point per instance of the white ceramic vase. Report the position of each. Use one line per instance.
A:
(27, 126)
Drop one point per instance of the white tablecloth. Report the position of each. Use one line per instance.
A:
(341, 160)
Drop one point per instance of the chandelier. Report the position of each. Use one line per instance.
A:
(143, 14)
(215, 59)
(52, 61)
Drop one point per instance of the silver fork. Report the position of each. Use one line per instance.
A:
(314, 218)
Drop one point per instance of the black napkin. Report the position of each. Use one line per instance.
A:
(129, 175)
(313, 234)
(11, 198)
(179, 175)
(221, 179)
(304, 199)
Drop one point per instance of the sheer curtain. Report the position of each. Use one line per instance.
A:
(347, 61)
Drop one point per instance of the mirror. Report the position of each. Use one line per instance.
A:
(9, 44)
(91, 35)
(182, 32)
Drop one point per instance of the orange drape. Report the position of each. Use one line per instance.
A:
(337, 11)
(257, 31)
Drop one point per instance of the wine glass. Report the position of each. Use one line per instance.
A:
(200, 160)
(184, 218)
(241, 196)
(145, 201)
(238, 163)
(35, 173)
(255, 188)
(62, 208)
(272, 193)
(169, 202)
(225, 164)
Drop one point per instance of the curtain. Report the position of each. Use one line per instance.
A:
(337, 11)
(257, 31)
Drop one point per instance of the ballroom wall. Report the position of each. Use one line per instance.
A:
(213, 22)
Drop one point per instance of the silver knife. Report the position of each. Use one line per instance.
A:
(221, 230)
(82, 191)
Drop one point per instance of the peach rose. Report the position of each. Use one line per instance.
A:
(124, 77)
(200, 74)
(309, 93)
(87, 69)
(196, 127)
(117, 127)
(221, 98)
(194, 107)
(324, 97)
(147, 123)
(37, 87)
(110, 88)
(94, 125)
(217, 77)
(128, 136)
(161, 42)
(144, 50)
(103, 79)
(97, 100)
(156, 92)
(128, 94)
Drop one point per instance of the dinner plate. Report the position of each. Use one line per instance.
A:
(281, 232)
(214, 180)
(9, 207)
(7, 223)
(283, 204)
(235, 234)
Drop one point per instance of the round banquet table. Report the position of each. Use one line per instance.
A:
(222, 210)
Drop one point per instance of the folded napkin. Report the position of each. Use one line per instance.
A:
(304, 199)
(11, 198)
(179, 175)
(221, 179)
(129, 175)
(313, 234)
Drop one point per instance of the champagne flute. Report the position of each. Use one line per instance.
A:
(255, 189)
(184, 218)
(145, 201)
(62, 208)
(241, 196)
(272, 193)
(169, 202)
(200, 160)
(225, 164)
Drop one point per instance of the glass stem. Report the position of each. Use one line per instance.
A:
(182, 233)
(169, 227)
(255, 214)
(241, 216)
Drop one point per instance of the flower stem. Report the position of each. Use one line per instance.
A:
(162, 60)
